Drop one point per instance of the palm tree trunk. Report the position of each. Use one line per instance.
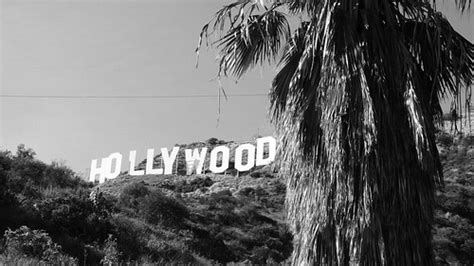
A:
(370, 198)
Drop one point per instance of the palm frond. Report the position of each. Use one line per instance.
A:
(443, 55)
(256, 40)
(251, 33)
(289, 64)
(463, 4)
(353, 103)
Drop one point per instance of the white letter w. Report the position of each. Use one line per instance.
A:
(195, 161)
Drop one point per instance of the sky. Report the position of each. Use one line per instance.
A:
(114, 47)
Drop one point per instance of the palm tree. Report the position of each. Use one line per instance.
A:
(353, 103)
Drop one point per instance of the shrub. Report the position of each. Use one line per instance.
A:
(445, 139)
(59, 175)
(23, 153)
(6, 197)
(27, 174)
(136, 190)
(195, 184)
(224, 195)
(111, 252)
(256, 174)
(165, 249)
(212, 141)
(206, 244)
(131, 237)
(160, 209)
(75, 214)
(25, 171)
(34, 243)
(263, 172)
(132, 195)
(276, 239)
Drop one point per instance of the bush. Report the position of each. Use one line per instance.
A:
(132, 195)
(27, 174)
(137, 240)
(34, 243)
(212, 141)
(76, 215)
(6, 197)
(276, 240)
(131, 236)
(221, 200)
(195, 184)
(111, 252)
(445, 139)
(160, 209)
(59, 175)
(167, 248)
(136, 190)
(206, 244)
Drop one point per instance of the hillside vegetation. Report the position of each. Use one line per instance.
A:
(49, 215)
(453, 234)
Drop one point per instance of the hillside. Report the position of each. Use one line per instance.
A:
(242, 212)
(55, 217)
(454, 217)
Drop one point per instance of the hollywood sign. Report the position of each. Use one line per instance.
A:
(111, 166)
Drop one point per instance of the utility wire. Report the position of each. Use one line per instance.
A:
(126, 96)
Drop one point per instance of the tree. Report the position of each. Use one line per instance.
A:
(23, 153)
(353, 103)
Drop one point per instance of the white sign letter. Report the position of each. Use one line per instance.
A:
(195, 160)
(250, 157)
(169, 159)
(131, 158)
(261, 149)
(98, 171)
(118, 165)
(225, 159)
(150, 154)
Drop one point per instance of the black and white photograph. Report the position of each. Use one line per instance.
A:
(236, 132)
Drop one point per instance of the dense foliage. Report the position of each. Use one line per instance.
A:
(189, 220)
(49, 215)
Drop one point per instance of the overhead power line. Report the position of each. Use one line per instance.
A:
(127, 96)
